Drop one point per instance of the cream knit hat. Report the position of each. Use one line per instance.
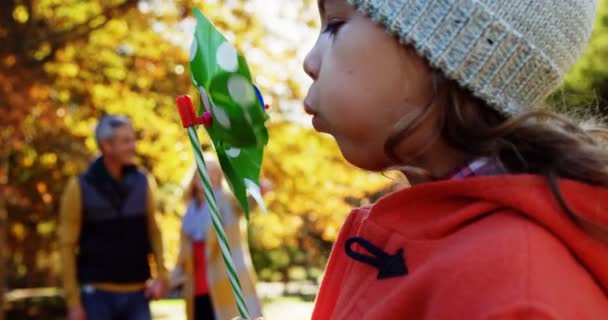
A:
(510, 53)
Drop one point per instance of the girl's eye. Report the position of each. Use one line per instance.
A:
(333, 28)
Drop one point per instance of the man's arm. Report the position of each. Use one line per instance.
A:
(70, 223)
(156, 240)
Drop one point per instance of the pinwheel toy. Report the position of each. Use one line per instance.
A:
(233, 112)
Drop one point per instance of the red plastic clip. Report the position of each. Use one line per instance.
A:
(207, 119)
(187, 114)
(186, 110)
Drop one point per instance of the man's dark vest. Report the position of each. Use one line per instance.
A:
(114, 239)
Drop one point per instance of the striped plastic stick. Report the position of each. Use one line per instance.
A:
(186, 109)
(232, 110)
(217, 224)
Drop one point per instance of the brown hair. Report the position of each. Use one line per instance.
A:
(537, 142)
(191, 192)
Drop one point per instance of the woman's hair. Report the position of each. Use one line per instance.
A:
(191, 192)
(213, 168)
(537, 142)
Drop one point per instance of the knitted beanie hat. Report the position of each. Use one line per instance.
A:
(510, 53)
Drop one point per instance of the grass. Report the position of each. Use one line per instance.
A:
(292, 308)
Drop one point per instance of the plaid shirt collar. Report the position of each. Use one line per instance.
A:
(475, 168)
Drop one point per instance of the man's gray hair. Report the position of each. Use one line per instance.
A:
(108, 124)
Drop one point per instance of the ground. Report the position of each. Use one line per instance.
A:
(275, 309)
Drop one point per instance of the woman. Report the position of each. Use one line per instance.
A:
(206, 287)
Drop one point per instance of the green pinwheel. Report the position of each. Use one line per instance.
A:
(232, 111)
(227, 93)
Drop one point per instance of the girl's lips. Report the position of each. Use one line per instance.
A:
(316, 120)
(308, 109)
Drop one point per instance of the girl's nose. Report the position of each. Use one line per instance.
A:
(311, 64)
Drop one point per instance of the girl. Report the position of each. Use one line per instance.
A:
(206, 286)
(508, 215)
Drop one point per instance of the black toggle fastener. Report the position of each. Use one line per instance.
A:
(388, 266)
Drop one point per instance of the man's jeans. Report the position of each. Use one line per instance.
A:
(106, 305)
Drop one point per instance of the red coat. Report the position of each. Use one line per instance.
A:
(480, 248)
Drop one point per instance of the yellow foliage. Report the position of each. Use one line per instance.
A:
(20, 14)
(48, 159)
(134, 62)
(312, 182)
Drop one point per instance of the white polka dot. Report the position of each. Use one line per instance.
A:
(254, 190)
(193, 49)
(233, 152)
(221, 116)
(227, 57)
(248, 118)
(205, 98)
(241, 90)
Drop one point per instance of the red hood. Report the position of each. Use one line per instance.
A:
(435, 210)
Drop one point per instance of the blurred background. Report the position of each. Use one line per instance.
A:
(64, 63)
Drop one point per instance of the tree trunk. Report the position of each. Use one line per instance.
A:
(3, 223)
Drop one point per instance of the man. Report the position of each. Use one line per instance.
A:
(107, 232)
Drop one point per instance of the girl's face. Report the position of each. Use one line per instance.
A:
(365, 81)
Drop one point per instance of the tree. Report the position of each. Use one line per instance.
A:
(315, 189)
(2, 255)
(66, 63)
(63, 66)
(585, 91)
